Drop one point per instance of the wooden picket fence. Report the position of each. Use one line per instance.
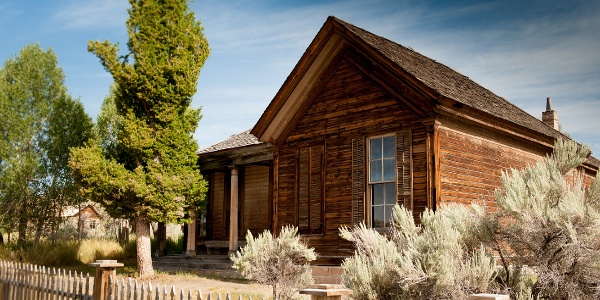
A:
(20, 281)
(120, 290)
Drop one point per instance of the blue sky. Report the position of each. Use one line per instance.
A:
(523, 51)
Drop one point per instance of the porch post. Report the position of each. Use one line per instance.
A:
(233, 212)
(191, 236)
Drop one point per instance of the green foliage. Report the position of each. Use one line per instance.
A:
(438, 259)
(552, 226)
(147, 171)
(39, 122)
(153, 172)
(282, 262)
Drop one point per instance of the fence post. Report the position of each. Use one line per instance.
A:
(104, 269)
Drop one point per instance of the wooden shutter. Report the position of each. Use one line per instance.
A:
(404, 164)
(358, 180)
(310, 181)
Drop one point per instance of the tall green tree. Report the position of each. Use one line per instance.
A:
(39, 122)
(152, 175)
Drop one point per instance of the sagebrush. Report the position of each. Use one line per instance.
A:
(282, 261)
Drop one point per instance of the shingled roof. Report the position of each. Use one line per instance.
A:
(449, 83)
(242, 139)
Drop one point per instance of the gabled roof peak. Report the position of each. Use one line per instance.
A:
(433, 78)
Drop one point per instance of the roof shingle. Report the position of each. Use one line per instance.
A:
(242, 139)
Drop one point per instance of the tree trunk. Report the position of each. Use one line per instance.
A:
(22, 227)
(144, 255)
(38, 232)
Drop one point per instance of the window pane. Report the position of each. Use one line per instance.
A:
(389, 146)
(375, 150)
(378, 216)
(390, 193)
(388, 215)
(376, 170)
(389, 169)
(378, 194)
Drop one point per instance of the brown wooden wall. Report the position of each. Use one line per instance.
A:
(471, 165)
(217, 206)
(256, 202)
(350, 106)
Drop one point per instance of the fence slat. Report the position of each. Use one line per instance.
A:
(23, 281)
(157, 292)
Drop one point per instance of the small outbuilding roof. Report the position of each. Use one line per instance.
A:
(241, 139)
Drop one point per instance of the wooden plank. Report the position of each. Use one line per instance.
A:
(233, 219)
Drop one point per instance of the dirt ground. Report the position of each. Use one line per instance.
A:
(214, 286)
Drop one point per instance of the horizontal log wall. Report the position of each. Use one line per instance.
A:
(471, 165)
(350, 106)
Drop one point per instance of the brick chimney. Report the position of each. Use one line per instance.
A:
(550, 116)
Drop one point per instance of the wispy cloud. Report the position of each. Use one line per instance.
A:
(8, 11)
(93, 14)
(522, 52)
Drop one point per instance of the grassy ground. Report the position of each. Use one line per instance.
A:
(75, 256)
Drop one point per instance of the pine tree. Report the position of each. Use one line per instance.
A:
(153, 174)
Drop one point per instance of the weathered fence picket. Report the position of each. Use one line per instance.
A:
(20, 281)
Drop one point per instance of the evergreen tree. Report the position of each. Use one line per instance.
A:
(152, 175)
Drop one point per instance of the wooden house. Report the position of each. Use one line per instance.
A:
(360, 124)
(86, 219)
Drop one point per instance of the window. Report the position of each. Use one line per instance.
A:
(92, 224)
(382, 179)
(310, 188)
(387, 167)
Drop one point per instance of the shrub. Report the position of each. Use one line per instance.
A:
(439, 259)
(282, 262)
(551, 227)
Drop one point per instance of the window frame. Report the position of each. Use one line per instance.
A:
(370, 183)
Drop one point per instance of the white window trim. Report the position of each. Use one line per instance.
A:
(369, 202)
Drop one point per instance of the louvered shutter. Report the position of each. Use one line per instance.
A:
(404, 165)
(303, 189)
(310, 161)
(358, 180)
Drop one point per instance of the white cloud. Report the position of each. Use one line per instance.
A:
(93, 14)
(522, 56)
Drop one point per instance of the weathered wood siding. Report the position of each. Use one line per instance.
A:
(256, 200)
(218, 206)
(350, 106)
(471, 165)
